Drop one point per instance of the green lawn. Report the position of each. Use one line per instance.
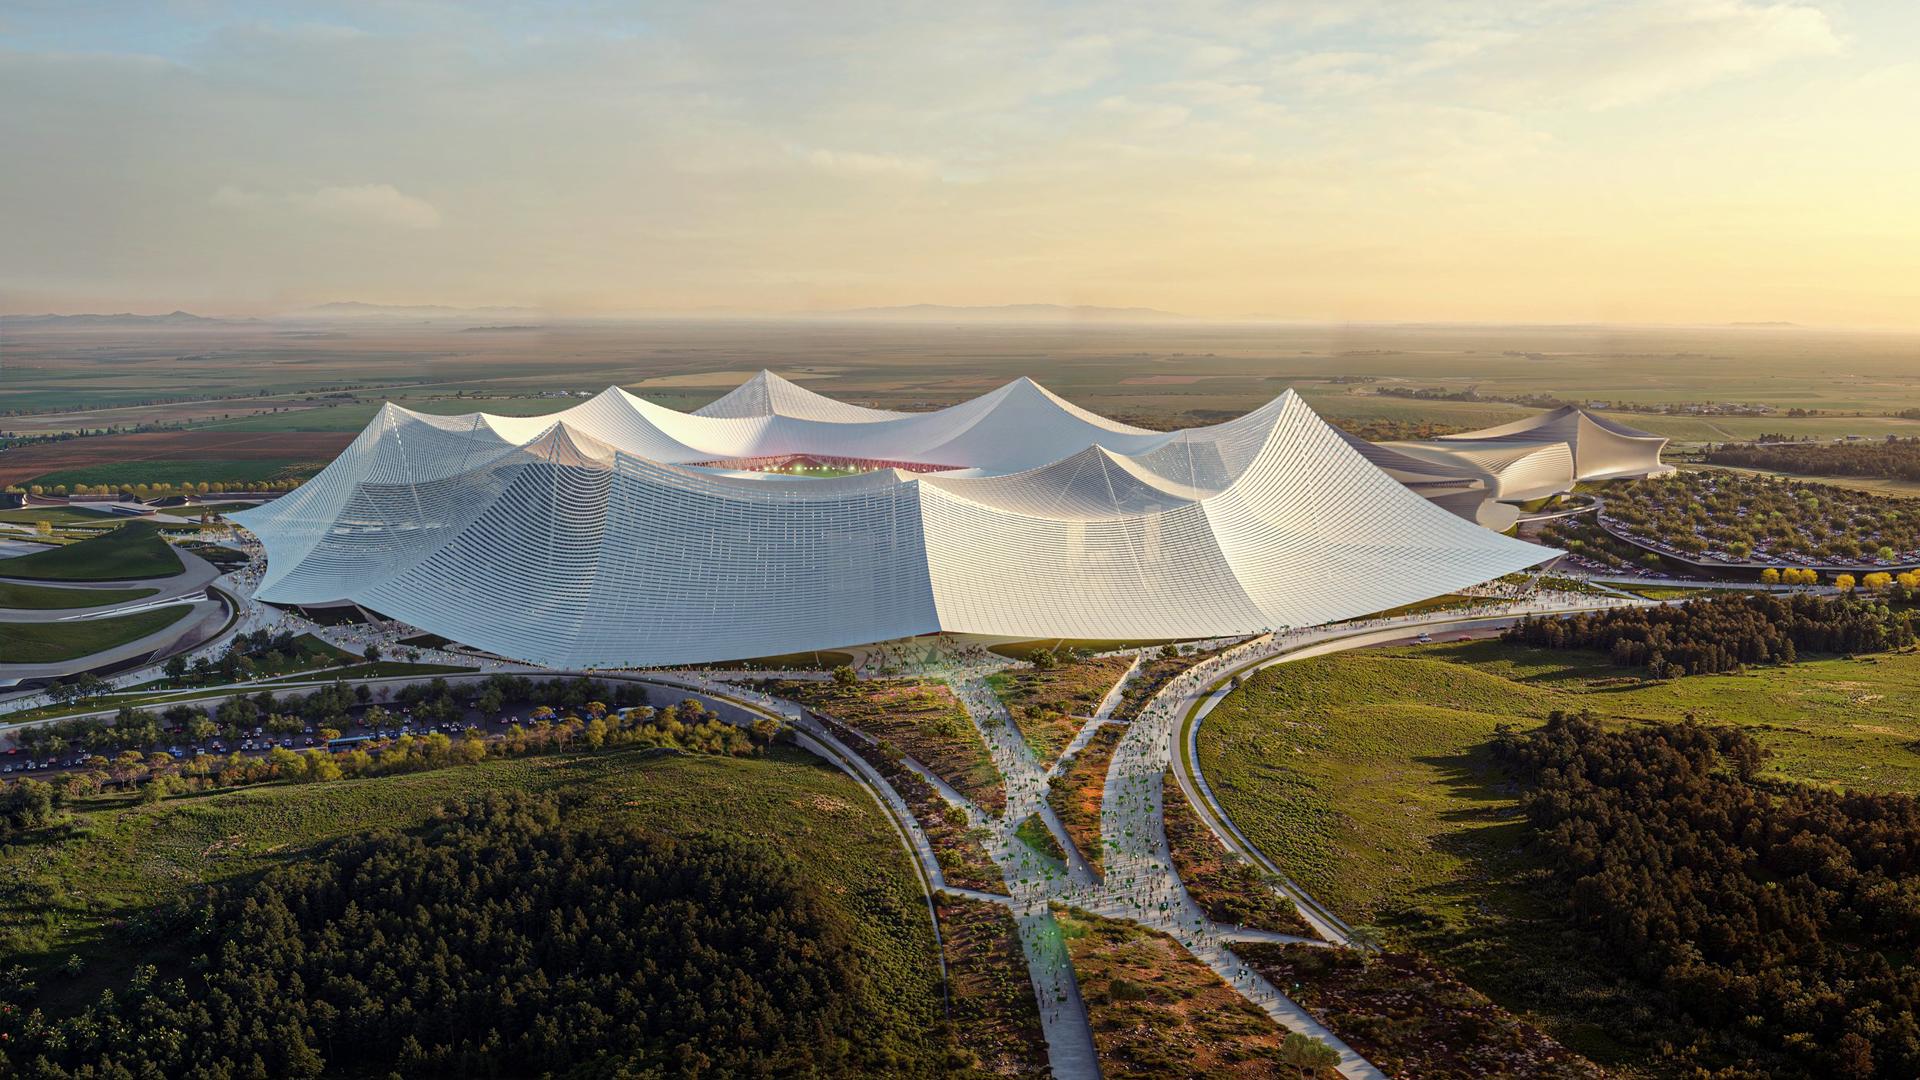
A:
(43, 597)
(129, 553)
(58, 516)
(69, 890)
(1034, 833)
(385, 669)
(47, 643)
(166, 471)
(1367, 777)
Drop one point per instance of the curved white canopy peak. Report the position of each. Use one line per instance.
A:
(622, 533)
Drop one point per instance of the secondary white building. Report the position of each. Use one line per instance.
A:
(1482, 474)
(623, 533)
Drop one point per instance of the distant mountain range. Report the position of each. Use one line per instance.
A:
(1008, 313)
(358, 309)
(127, 319)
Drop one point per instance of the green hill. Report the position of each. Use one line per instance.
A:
(131, 552)
(94, 895)
(1369, 777)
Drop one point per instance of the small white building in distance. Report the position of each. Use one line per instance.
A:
(1480, 474)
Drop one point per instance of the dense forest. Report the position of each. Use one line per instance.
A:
(505, 938)
(1727, 632)
(1892, 458)
(1778, 919)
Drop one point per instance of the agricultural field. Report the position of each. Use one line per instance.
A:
(50, 642)
(132, 552)
(1181, 372)
(169, 457)
(1368, 776)
(1873, 485)
(84, 891)
(221, 473)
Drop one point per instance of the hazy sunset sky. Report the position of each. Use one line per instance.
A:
(1488, 160)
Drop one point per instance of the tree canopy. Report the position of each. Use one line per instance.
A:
(506, 938)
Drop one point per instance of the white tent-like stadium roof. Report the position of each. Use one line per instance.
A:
(616, 533)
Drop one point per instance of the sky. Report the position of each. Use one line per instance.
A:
(1663, 161)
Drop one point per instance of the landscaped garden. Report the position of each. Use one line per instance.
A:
(1077, 791)
(922, 719)
(1159, 1012)
(1157, 669)
(996, 1018)
(1228, 888)
(1034, 833)
(1050, 700)
(1740, 518)
(958, 846)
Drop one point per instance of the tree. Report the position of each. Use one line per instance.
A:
(1769, 576)
(1307, 1053)
(1843, 582)
(373, 653)
(319, 766)
(68, 691)
(845, 676)
(176, 668)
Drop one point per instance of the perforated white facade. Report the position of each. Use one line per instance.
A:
(601, 537)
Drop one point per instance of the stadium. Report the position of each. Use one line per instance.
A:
(621, 533)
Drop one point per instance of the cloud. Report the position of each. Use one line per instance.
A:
(356, 204)
(1611, 56)
(856, 163)
(378, 204)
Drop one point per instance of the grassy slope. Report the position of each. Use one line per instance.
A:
(61, 893)
(1366, 776)
(131, 552)
(42, 598)
(46, 643)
